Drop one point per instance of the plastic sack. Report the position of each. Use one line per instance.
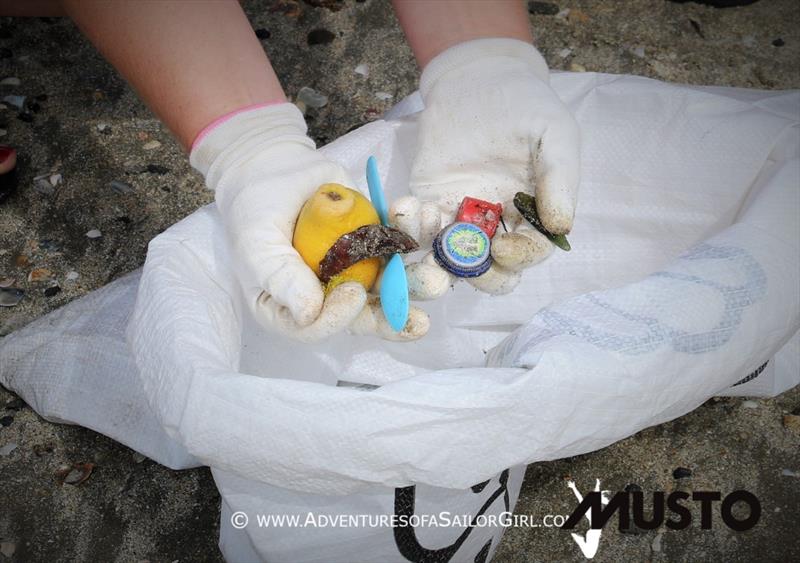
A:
(682, 281)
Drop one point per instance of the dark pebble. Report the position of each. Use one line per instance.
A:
(320, 37)
(8, 184)
(681, 473)
(6, 421)
(631, 487)
(49, 245)
(696, 27)
(25, 116)
(542, 8)
(5, 53)
(165, 189)
(157, 169)
(779, 42)
(262, 33)
(34, 107)
(15, 404)
(124, 219)
(50, 291)
(42, 97)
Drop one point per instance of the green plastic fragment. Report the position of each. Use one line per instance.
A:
(526, 204)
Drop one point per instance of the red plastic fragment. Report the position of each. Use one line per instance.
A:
(481, 213)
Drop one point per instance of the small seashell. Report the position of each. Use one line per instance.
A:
(7, 449)
(17, 102)
(94, 233)
(42, 185)
(577, 67)
(565, 52)
(6, 282)
(656, 543)
(76, 474)
(3, 132)
(102, 126)
(72, 275)
(120, 187)
(40, 275)
(362, 69)
(55, 179)
(10, 296)
(383, 96)
(311, 98)
(749, 404)
(10, 81)
(151, 145)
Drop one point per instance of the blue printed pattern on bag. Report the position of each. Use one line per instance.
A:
(651, 332)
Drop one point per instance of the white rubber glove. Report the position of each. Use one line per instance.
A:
(263, 167)
(492, 127)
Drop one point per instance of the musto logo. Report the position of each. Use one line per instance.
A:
(598, 509)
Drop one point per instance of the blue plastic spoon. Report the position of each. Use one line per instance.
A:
(394, 284)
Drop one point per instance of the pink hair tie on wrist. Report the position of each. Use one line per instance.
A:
(223, 118)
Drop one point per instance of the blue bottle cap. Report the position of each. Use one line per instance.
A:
(463, 249)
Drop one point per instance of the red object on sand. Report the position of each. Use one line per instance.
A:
(480, 213)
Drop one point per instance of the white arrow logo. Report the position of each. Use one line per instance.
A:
(591, 541)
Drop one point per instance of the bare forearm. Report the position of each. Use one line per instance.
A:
(433, 26)
(190, 61)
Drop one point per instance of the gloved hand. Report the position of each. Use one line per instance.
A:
(491, 127)
(263, 167)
